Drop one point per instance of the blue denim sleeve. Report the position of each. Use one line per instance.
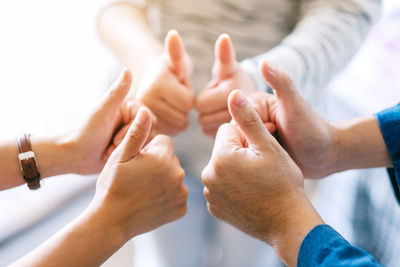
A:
(389, 122)
(324, 247)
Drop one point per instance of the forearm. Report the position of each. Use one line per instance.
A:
(124, 28)
(74, 244)
(358, 144)
(53, 156)
(323, 41)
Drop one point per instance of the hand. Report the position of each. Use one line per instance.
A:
(140, 188)
(253, 184)
(306, 136)
(166, 88)
(227, 75)
(93, 142)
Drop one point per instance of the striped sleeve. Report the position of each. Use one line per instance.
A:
(327, 35)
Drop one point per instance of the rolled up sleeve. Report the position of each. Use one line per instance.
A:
(324, 247)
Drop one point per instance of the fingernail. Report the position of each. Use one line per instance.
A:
(271, 69)
(122, 77)
(239, 100)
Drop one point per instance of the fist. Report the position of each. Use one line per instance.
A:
(141, 188)
(305, 135)
(166, 88)
(227, 75)
(250, 181)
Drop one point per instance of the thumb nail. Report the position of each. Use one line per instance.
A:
(239, 100)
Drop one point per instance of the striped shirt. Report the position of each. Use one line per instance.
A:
(310, 39)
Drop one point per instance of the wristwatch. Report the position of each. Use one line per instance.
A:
(27, 162)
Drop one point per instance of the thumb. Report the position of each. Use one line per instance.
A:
(118, 92)
(225, 57)
(137, 135)
(176, 53)
(248, 120)
(284, 88)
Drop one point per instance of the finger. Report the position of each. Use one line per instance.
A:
(212, 100)
(210, 132)
(161, 145)
(165, 112)
(178, 96)
(214, 120)
(271, 127)
(176, 52)
(119, 137)
(228, 137)
(248, 120)
(136, 137)
(163, 127)
(225, 57)
(279, 81)
(117, 93)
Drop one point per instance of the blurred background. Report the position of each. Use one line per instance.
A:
(53, 69)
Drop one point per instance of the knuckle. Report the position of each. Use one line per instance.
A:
(185, 192)
(164, 139)
(207, 194)
(212, 210)
(219, 165)
(206, 176)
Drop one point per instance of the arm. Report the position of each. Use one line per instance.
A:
(359, 144)
(162, 76)
(139, 189)
(323, 41)
(55, 155)
(83, 151)
(125, 29)
(319, 148)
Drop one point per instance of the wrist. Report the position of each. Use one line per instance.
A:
(98, 215)
(328, 162)
(295, 222)
(55, 155)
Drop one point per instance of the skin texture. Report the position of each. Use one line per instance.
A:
(253, 184)
(86, 149)
(140, 188)
(319, 148)
(227, 75)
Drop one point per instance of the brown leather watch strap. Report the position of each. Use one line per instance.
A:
(27, 161)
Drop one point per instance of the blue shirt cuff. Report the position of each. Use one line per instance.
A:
(389, 122)
(323, 247)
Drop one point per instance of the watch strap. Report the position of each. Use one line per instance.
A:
(27, 160)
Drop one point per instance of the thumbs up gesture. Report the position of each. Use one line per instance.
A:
(141, 187)
(227, 75)
(305, 135)
(166, 88)
(253, 184)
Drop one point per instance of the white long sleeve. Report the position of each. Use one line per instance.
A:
(326, 37)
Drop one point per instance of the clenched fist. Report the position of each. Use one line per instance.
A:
(253, 184)
(305, 135)
(166, 88)
(141, 188)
